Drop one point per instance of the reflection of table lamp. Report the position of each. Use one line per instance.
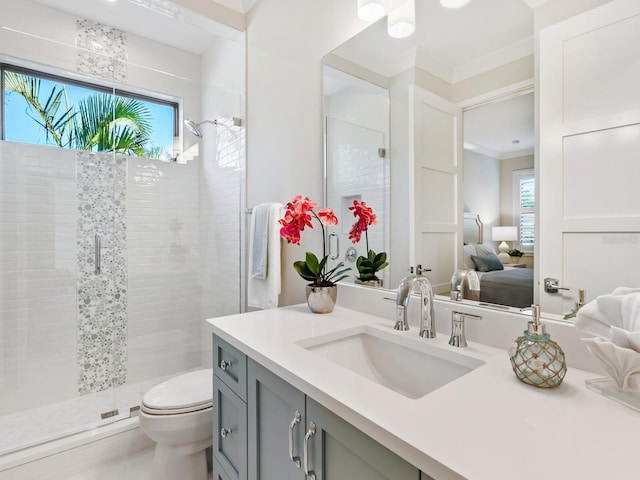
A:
(504, 234)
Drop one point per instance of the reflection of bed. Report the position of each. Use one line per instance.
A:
(501, 285)
(512, 286)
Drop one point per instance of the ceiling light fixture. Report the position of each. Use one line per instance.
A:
(401, 15)
(453, 3)
(401, 21)
(371, 10)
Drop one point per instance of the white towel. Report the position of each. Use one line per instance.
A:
(263, 292)
(258, 241)
(619, 309)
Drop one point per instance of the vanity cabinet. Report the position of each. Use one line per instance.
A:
(279, 418)
(276, 418)
(261, 421)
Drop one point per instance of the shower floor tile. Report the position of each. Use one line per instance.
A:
(40, 425)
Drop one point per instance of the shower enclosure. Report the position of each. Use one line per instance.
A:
(110, 263)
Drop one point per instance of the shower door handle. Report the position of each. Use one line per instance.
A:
(97, 253)
(337, 242)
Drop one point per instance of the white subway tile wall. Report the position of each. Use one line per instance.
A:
(221, 179)
(163, 262)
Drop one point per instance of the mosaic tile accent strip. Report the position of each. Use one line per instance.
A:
(102, 50)
(102, 298)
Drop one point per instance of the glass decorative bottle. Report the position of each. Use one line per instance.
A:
(535, 358)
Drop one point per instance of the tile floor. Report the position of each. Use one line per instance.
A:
(135, 467)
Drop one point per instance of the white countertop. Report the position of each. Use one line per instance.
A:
(486, 425)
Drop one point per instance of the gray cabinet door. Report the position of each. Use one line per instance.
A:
(272, 405)
(229, 430)
(339, 451)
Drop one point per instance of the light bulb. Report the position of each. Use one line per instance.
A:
(371, 10)
(401, 21)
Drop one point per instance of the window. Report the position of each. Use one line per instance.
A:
(50, 110)
(525, 207)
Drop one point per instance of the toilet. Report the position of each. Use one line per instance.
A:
(178, 415)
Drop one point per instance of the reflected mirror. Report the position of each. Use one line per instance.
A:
(356, 116)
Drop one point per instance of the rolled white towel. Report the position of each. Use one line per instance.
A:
(618, 309)
(631, 312)
(625, 339)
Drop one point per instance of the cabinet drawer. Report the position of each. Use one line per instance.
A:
(230, 365)
(229, 430)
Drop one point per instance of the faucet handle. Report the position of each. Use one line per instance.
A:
(458, 336)
(420, 270)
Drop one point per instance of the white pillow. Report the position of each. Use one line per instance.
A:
(467, 251)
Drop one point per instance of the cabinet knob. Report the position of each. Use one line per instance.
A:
(224, 432)
(224, 365)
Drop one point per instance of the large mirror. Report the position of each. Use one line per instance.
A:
(469, 73)
(447, 85)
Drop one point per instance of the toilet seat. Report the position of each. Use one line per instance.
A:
(185, 393)
(175, 411)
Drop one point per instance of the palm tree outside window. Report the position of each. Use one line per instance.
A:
(50, 110)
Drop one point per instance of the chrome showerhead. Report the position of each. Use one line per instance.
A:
(195, 127)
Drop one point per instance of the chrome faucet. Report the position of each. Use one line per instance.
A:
(427, 317)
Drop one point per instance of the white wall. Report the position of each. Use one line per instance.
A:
(481, 189)
(507, 167)
(286, 40)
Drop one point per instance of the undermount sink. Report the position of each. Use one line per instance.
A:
(405, 365)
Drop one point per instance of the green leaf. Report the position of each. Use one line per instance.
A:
(303, 270)
(379, 258)
(312, 264)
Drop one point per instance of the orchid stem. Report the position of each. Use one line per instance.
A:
(324, 239)
(366, 239)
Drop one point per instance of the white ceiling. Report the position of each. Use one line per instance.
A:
(450, 43)
(242, 6)
(456, 44)
(502, 129)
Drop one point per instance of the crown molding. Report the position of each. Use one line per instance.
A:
(517, 154)
(518, 50)
(487, 152)
(534, 3)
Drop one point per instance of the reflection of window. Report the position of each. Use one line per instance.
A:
(525, 206)
(50, 110)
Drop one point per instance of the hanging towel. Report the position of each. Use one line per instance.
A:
(263, 292)
(258, 232)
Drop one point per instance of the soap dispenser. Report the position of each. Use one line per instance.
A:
(535, 358)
